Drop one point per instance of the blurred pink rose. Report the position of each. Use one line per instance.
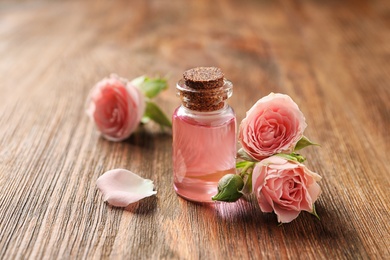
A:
(116, 107)
(273, 125)
(285, 187)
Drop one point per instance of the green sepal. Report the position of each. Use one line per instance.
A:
(296, 157)
(229, 187)
(314, 212)
(150, 87)
(245, 156)
(153, 112)
(304, 142)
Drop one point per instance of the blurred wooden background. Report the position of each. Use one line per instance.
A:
(331, 57)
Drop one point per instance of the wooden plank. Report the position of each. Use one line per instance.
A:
(331, 57)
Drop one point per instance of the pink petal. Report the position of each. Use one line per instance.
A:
(121, 187)
(264, 203)
(284, 215)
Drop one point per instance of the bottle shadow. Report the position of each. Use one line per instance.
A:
(330, 230)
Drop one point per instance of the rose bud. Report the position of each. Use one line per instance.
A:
(229, 188)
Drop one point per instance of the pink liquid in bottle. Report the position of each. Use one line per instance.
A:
(204, 148)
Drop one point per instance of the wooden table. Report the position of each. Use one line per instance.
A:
(331, 57)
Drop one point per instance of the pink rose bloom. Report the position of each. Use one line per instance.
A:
(116, 107)
(273, 125)
(285, 187)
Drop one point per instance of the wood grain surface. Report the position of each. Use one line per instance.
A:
(331, 57)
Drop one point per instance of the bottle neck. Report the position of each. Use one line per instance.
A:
(206, 113)
(204, 100)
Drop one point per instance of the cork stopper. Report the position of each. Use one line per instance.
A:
(203, 78)
(204, 89)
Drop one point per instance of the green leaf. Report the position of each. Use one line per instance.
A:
(229, 187)
(145, 119)
(245, 156)
(154, 113)
(151, 87)
(303, 142)
(138, 81)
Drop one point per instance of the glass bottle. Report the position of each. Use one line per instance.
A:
(204, 134)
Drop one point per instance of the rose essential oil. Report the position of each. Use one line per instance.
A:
(204, 134)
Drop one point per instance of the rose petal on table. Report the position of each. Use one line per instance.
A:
(121, 187)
